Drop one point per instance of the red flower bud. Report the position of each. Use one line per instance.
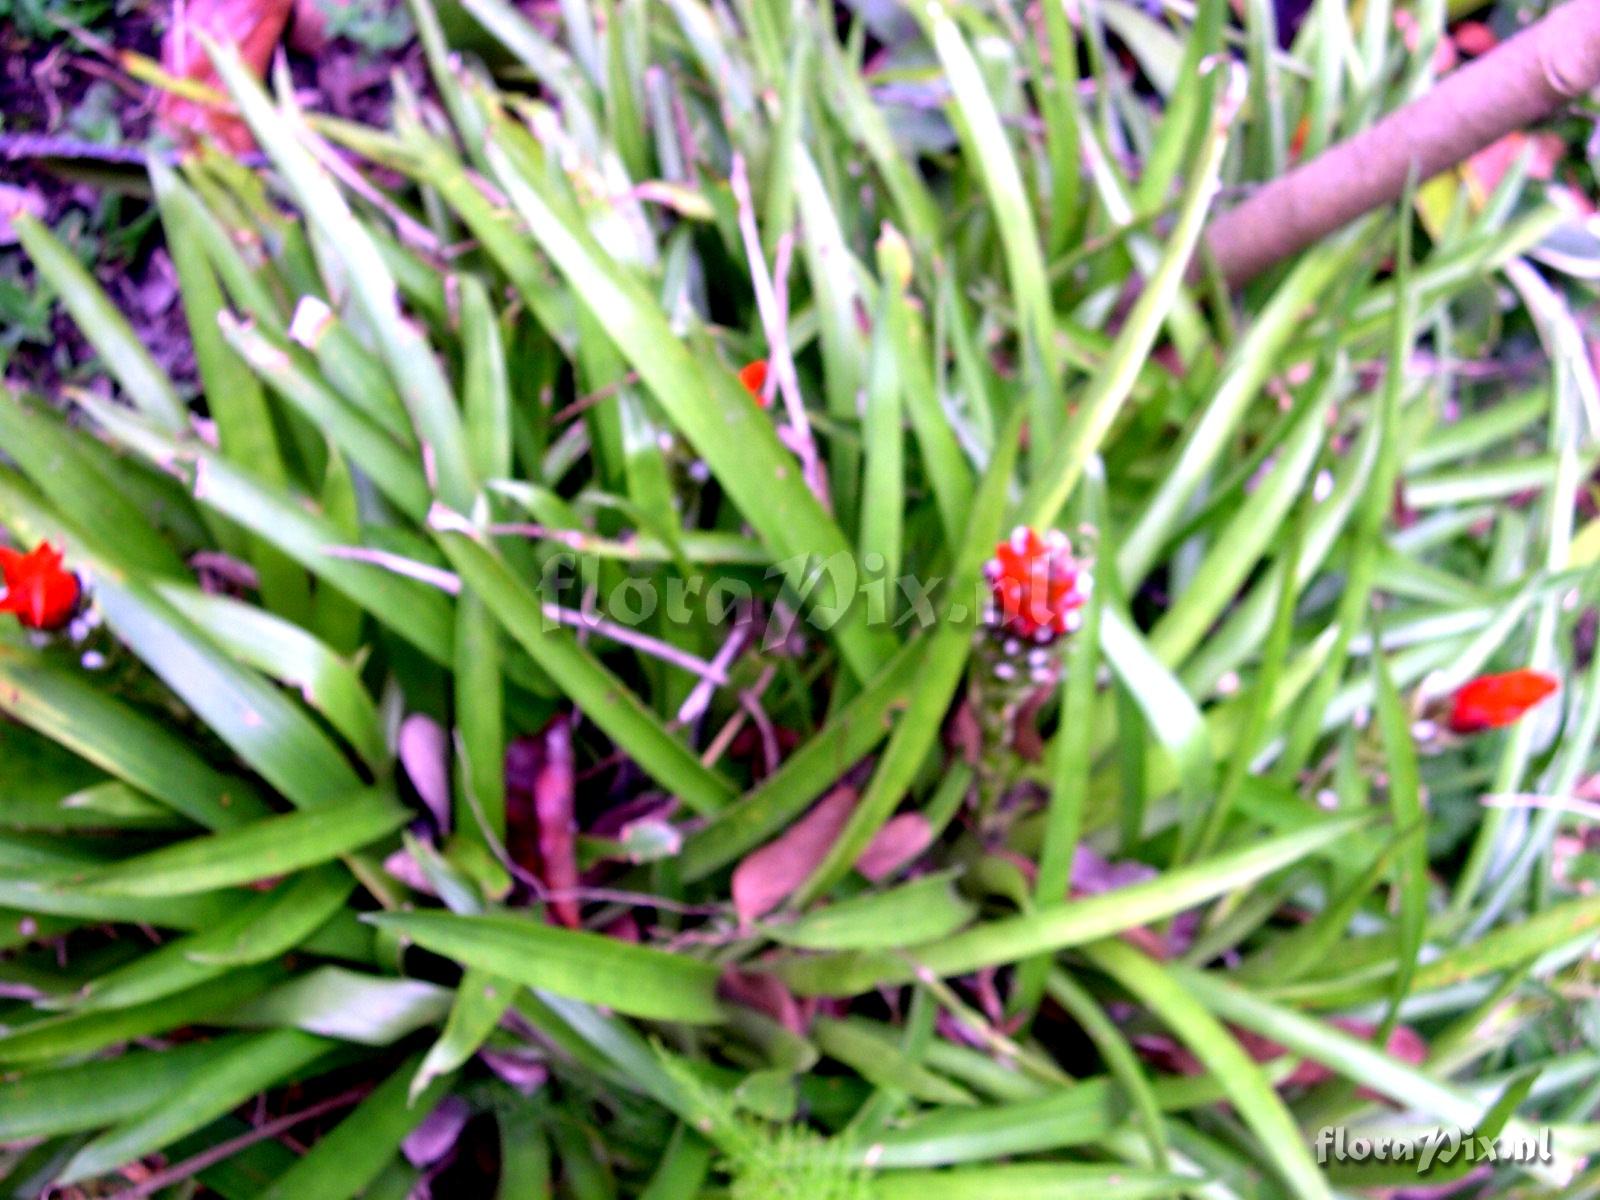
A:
(1036, 586)
(754, 377)
(38, 589)
(1491, 701)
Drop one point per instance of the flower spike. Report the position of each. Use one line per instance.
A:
(1036, 586)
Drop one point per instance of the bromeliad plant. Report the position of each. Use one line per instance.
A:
(472, 476)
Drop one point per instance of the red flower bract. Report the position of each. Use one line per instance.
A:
(41, 592)
(1491, 701)
(1036, 585)
(754, 377)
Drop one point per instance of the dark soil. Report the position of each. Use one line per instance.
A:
(74, 132)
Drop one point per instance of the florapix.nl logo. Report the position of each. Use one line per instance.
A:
(1441, 1147)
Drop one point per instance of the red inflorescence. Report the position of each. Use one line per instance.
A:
(1036, 585)
(754, 377)
(1492, 701)
(39, 590)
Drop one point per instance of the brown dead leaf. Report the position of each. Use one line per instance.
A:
(896, 844)
(765, 993)
(254, 26)
(1485, 169)
(767, 876)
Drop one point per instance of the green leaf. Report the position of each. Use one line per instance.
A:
(1049, 930)
(1247, 368)
(920, 911)
(995, 166)
(1411, 822)
(708, 406)
(274, 846)
(636, 980)
(257, 721)
(367, 444)
(481, 1000)
(412, 366)
(1247, 1087)
(261, 928)
(102, 1092)
(54, 461)
(1352, 1057)
(108, 331)
(123, 742)
(234, 400)
(347, 1005)
(294, 658)
(74, 1034)
(1034, 1181)
(884, 1064)
(1055, 477)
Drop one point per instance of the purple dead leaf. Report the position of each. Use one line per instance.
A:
(522, 1070)
(219, 572)
(542, 830)
(436, 1136)
(16, 201)
(425, 755)
(769, 875)
(896, 844)
(1092, 873)
(553, 798)
(614, 822)
(402, 866)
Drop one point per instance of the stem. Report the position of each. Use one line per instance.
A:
(1523, 80)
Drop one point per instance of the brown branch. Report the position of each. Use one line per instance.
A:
(1521, 81)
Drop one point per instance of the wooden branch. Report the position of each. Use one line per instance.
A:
(1523, 80)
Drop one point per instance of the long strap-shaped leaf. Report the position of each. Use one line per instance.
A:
(106, 328)
(250, 1066)
(1052, 485)
(411, 362)
(275, 846)
(704, 401)
(979, 125)
(1353, 1057)
(1247, 1086)
(415, 611)
(636, 980)
(121, 741)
